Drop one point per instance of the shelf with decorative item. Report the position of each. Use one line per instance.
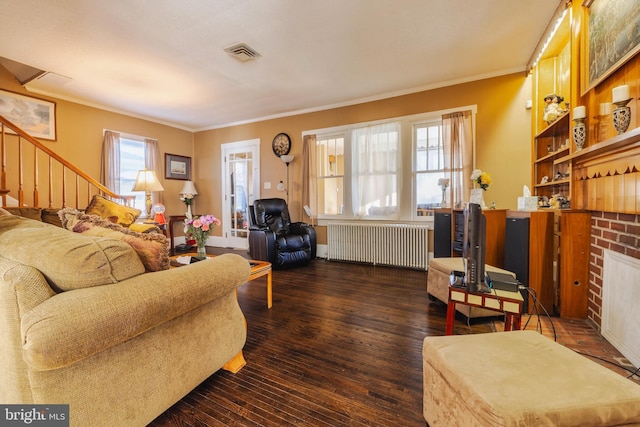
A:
(564, 181)
(554, 155)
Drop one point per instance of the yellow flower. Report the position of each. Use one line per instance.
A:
(483, 179)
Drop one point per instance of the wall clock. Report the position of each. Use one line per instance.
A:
(281, 144)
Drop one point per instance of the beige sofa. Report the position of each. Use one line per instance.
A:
(81, 323)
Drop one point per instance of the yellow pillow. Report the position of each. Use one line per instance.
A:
(112, 211)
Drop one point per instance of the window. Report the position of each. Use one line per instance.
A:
(429, 166)
(391, 169)
(132, 157)
(375, 170)
(330, 166)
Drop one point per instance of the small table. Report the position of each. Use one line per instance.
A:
(258, 269)
(510, 303)
(172, 220)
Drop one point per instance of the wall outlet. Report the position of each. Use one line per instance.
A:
(267, 185)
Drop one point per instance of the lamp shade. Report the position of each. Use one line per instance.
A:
(287, 158)
(147, 181)
(189, 188)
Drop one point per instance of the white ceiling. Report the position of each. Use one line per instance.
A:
(164, 59)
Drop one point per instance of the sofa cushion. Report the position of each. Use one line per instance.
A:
(67, 260)
(50, 216)
(152, 248)
(31, 213)
(112, 211)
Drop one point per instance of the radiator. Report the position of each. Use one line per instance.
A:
(400, 245)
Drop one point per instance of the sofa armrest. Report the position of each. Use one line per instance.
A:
(77, 324)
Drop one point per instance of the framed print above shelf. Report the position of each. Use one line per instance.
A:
(177, 167)
(610, 40)
(35, 116)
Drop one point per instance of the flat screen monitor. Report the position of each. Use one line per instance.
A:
(474, 247)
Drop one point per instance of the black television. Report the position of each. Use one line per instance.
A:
(475, 224)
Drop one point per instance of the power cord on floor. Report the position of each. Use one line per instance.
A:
(536, 304)
(532, 293)
(633, 372)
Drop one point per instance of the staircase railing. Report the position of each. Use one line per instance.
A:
(25, 170)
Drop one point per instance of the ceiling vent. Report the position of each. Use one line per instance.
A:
(242, 52)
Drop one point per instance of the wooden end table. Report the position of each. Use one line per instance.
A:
(509, 303)
(258, 269)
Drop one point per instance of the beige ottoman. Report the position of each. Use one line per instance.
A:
(438, 284)
(520, 378)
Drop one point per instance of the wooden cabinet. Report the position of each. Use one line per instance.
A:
(572, 236)
(551, 172)
(452, 236)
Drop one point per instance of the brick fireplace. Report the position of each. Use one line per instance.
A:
(619, 233)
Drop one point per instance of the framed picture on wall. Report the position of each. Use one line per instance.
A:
(177, 167)
(612, 38)
(35, 116)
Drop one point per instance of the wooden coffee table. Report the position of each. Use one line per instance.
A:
(258, 269)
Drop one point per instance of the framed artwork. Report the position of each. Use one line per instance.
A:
(177, 167)
(612, 37)
(35, 116)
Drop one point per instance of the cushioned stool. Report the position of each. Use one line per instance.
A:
(520, 378)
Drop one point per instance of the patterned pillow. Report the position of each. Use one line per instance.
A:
(152, 248)
(112, 211)
(67, 260)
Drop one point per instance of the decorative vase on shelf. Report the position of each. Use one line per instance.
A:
(579, 133)
(622, 116)
(477, 196)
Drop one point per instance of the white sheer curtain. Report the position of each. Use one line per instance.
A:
(375, 178)
(457, 136)
(152, 162)
(110, 166)
(309, 176)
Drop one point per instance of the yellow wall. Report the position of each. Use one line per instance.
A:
(79, 137)
(503, 138)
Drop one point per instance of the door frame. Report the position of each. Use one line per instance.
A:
(226, 149)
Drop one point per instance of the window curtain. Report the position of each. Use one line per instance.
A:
(309, 177)
(457, 136)
(375, 178)
(152, 162)
(110, 165)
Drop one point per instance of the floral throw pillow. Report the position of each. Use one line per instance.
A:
(152, 248)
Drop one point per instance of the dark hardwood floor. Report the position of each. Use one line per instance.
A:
(340, 347)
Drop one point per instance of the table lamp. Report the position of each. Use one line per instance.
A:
(188, 192)
(147, 181)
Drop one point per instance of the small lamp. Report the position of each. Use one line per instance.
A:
(147, 181)
(188, 189)
(287, 159)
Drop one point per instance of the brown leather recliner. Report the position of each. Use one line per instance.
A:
(274, 238)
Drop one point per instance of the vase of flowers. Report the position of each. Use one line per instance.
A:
(199, 228)
(481, 181)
